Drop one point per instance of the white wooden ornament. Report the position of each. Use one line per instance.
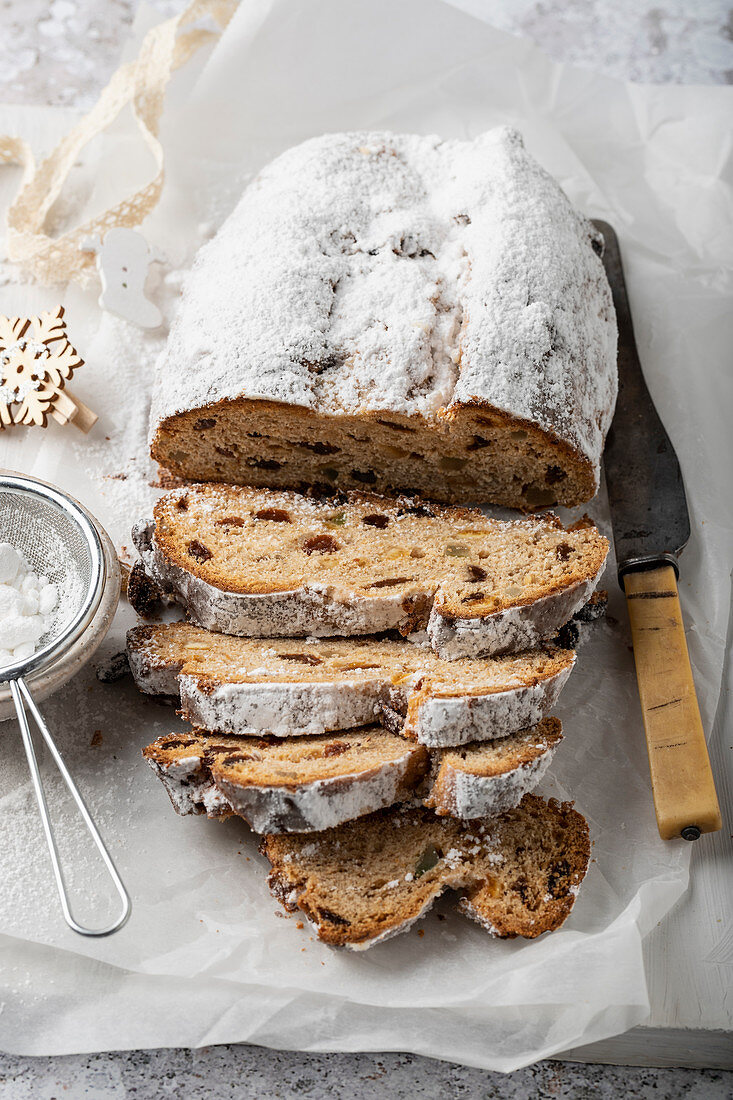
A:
(123, 258)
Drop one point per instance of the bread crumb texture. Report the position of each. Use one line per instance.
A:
(517, 874)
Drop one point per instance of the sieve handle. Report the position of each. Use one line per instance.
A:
(22, 698)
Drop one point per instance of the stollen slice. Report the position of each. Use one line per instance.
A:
(277, 564)
(311, 783)
(367, 880)
(303, 784)
(293, 687)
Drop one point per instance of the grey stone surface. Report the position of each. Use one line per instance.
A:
(61, 53)
(252, 1073)
(667, 41)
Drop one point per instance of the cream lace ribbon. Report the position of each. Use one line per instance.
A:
(143, 81)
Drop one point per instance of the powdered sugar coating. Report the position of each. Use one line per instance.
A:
(375, 271)
(190, 788)
(312, 807)
(152, 677)
(285, 710)
(445, 721)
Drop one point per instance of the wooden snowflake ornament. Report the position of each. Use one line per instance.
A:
(36, 361)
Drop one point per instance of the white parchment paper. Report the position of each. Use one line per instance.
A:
(205, 957)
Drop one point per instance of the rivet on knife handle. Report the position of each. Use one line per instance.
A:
(682, 781)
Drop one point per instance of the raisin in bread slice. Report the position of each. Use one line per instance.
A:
(256, 563)
(291, 688)
(401, 312)
(367, 880)
(314, 782)
(298, 785)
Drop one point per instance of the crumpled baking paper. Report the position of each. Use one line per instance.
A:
(207, 957)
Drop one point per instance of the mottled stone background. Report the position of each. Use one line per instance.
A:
(61, 54)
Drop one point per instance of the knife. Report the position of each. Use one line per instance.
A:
(651, 526)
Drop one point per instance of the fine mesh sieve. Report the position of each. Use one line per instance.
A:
(59, 541)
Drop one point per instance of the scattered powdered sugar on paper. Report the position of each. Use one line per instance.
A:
(118, 461)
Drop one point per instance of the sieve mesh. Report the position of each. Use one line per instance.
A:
(60, 542)
(55, 547)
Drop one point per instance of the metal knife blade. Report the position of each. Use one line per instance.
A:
(646, 494)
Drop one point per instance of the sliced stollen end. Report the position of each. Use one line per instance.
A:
(481, 780)
(313, 782)
(301, 785)
(471, 276)
(291, 688)
(367, 880)
(263, 563)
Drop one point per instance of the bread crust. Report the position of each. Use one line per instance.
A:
(464, 420)
(308, 611)
(200, 783)
(471, 788)
(516, 628)
(491, 916)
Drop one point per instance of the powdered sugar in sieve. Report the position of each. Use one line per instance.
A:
(53, 547)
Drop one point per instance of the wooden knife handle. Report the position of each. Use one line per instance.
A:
(682, 779)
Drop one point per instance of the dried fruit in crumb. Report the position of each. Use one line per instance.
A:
(320, 544)
(390, 582)
(430, 858)
(301, 658)
(231, 521)
(276, 515)
(335, 748)
(197, 550)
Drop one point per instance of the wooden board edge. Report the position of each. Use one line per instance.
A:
(659, 1048)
